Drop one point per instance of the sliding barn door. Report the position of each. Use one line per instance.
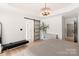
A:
(36, 29)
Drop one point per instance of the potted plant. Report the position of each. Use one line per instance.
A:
(43, 29)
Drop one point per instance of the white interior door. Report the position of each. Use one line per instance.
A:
(30, 30)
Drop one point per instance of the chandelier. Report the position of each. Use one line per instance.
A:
(45, 11)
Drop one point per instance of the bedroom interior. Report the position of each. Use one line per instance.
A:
(21, 34)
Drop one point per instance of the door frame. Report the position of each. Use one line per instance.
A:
(76, 32)
(34, 24)
(63, 28)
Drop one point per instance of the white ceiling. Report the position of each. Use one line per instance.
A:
(35, 8)
(38, 6)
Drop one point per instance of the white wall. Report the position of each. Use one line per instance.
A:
(55, 25)
(12, 21)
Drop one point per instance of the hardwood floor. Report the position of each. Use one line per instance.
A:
(69, 39)
(13, 51)
(23, 48)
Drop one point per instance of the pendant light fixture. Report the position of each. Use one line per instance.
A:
(45, 11)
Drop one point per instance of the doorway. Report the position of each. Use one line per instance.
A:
(70, 25)
(32, 29)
